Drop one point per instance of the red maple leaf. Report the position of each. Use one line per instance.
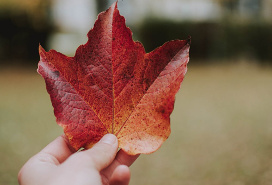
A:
(112, 86)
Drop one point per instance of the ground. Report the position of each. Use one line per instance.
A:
(221, 127)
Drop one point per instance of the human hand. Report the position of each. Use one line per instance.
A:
(56, 164)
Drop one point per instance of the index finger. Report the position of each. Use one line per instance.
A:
(122, 158)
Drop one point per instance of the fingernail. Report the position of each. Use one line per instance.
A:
(109, 139)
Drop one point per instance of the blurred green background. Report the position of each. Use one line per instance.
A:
(221, 124)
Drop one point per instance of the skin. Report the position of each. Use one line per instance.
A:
(57, 164)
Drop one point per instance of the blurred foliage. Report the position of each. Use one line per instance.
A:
(102, 5)
(20, 4)
(24, 24)
(212, 40)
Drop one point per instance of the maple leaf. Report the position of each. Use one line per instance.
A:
(112, 86)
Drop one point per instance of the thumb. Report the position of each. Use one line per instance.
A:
(103, 153)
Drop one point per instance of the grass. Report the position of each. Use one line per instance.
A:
(221, 128)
